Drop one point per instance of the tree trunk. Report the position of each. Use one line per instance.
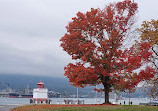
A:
(129, 97)
(106, 96)
(106, 92)
(105, 82)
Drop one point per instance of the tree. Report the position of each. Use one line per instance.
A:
(149, 34)
(95, 39)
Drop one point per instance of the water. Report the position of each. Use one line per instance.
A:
(23, 101)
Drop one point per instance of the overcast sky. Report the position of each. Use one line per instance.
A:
(30, 31)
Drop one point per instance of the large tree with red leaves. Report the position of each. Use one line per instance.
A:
(95, 39)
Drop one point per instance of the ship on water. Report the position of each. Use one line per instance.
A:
(51, 94)
(4, 92)
(26, 94)
(17, 95)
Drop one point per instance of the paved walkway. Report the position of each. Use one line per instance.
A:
(7, 107)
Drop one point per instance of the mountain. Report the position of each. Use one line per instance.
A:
(61, 85)
(20, 82)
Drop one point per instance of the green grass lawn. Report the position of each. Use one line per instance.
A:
(88, 108)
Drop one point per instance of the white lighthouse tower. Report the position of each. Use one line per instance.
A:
(40, 94)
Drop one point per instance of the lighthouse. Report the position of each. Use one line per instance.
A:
(40, 94)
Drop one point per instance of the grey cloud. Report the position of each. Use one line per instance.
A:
(30, 31)
(30, 62)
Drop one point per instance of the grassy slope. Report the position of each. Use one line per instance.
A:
(86, 108)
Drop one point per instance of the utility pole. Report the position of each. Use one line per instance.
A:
(77, 93)
(96, 95)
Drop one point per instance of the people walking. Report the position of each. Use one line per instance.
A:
(131, 102)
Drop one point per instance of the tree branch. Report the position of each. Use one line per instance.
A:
(154, 51)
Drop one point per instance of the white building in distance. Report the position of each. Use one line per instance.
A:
(40, 94)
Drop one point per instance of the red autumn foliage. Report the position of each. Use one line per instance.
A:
(96, 39)
(146, 74)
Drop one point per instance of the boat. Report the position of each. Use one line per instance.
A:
(27, 95)
(4, 93)
(17, 95)
(13, 95)
(52, 94)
